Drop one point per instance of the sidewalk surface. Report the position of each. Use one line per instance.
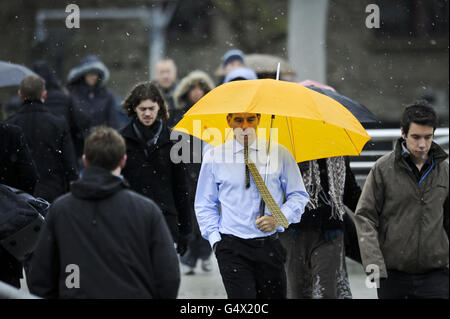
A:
(208, 285)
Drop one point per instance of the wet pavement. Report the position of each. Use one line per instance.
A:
(208, 285)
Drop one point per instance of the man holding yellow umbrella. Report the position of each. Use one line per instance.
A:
(242, 172)
(250, 256)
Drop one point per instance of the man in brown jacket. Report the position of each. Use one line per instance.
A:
(402, 214)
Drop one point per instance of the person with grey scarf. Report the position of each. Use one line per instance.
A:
(315, 265)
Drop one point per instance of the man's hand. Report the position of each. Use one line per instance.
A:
(266, 224)
(182, 245)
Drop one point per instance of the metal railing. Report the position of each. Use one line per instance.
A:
(383, 142)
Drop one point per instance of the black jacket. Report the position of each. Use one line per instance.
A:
(151, 172)
(17, 170)
(97, 103)
(117, 238)
(62, 105)
(319, 218)
(51, 147)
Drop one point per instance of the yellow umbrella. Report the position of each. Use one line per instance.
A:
(309, 124)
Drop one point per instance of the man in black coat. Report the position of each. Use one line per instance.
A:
(17, 170)
(48, 138)
(150, 168)
(60, 103)
(103, 240)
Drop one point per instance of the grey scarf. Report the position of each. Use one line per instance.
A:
(336, 185)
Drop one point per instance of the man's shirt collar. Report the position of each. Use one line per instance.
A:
(257, 145)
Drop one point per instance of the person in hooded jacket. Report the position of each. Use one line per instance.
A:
(86, 84)
(60, 103)
(191, 89)
(151, 170)
(103, 240)
(48, 138)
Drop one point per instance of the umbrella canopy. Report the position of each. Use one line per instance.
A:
(13, 74)
(309, 124)
(358, 110)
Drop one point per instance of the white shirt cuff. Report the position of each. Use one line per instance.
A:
(214, 238)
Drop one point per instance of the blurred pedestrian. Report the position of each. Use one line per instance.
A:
(114, 240)
(227, 204)
(17, 169)
(48, 138)
(60, 103)
(402, 215)
(232, 59)
(315, 265)
(166, 78)
(191, 89)
(86, 84)
(240, 73)
(150, 169)
(11, 106)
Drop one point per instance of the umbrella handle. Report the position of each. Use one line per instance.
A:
(263, 204)
(262, 207)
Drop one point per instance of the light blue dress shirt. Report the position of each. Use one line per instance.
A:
(224, 205)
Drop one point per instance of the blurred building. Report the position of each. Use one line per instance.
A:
(383, 68)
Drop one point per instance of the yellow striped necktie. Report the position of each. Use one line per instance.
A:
(264, 191)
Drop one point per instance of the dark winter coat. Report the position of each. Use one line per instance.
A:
(151, 172)
(60, 104)
(117, 239)
(319, 218)
(97, 102)
(182, 105)
(198, 246)
(17, 169)
(168, 96)
(403, 225)
(51, 147)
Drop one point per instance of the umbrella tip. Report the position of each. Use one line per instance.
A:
(278, 70)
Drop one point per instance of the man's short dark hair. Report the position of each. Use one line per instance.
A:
(31, 88)
(420, 112)
(104, 148)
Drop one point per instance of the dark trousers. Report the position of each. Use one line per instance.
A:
(401, 285)
(252, 268)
